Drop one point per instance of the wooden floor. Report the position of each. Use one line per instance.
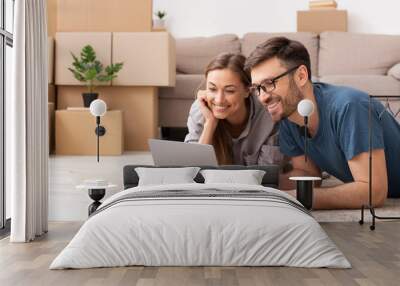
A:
(375, 257)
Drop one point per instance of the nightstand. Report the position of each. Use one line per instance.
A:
(304, 190)
(96, 192)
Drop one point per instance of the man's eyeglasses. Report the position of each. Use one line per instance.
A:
(269, 85)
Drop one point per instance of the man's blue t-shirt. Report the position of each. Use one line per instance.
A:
(343, 133)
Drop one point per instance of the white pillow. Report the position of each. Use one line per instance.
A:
(163, 176)
(248, 177)
(395, 71)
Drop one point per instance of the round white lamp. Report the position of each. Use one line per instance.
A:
(305, 107)
(98, 108)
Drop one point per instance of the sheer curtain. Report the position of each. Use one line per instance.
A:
(27, 123)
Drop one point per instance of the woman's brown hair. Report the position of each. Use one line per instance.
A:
(221, 141)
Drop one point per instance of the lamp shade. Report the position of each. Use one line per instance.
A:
(98, 107)
(305, 107)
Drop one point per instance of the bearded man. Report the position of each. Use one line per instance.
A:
(338, 140)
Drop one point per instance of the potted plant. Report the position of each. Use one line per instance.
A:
(89, 70)
(159, 22)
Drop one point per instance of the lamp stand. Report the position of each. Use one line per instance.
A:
(100, 131)
(305, 136)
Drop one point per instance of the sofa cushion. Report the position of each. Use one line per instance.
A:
(343, 53)
(394, 71)
(309, 40)
(372, 84)
(193, 54)
(185, 88)
(175, 102)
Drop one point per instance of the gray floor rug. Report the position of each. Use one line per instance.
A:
(391, 208)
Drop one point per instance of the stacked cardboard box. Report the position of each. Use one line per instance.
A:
(322, 4)
(322, 16)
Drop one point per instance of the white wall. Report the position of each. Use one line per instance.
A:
(189, 18)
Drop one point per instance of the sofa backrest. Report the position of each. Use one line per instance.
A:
(193, 54)
(343, 53)
(309, 40)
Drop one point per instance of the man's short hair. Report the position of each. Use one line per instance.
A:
(290, 53)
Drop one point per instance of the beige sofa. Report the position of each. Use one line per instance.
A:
(358, 60)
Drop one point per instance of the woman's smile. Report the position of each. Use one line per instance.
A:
(220, 108)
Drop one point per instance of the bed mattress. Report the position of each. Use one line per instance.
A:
(201, 225)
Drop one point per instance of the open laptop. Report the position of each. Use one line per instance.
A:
(174, 153)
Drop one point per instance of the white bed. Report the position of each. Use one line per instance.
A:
(183, 230)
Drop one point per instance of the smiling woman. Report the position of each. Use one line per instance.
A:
(227, 116)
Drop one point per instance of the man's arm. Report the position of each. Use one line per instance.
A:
(349, 195)
(355, 194)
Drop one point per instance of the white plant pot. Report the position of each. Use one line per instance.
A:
(159, 23)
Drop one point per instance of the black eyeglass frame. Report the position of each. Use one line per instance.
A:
(256, 89)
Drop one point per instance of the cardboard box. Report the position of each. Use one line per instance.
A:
(138, 103)
(318, 21)
(51, 93)
(75, 133)
(104, 15)
(152, 63)
(51, 126)
(50, 60)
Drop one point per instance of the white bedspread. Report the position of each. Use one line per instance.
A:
(200, 231)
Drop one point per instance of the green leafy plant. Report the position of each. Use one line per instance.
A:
(88, 69)
(160, 14)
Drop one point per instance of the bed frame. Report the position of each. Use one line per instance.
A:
(270, 179)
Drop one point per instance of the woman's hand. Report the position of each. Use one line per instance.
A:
(210, 123)
(209, 117)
